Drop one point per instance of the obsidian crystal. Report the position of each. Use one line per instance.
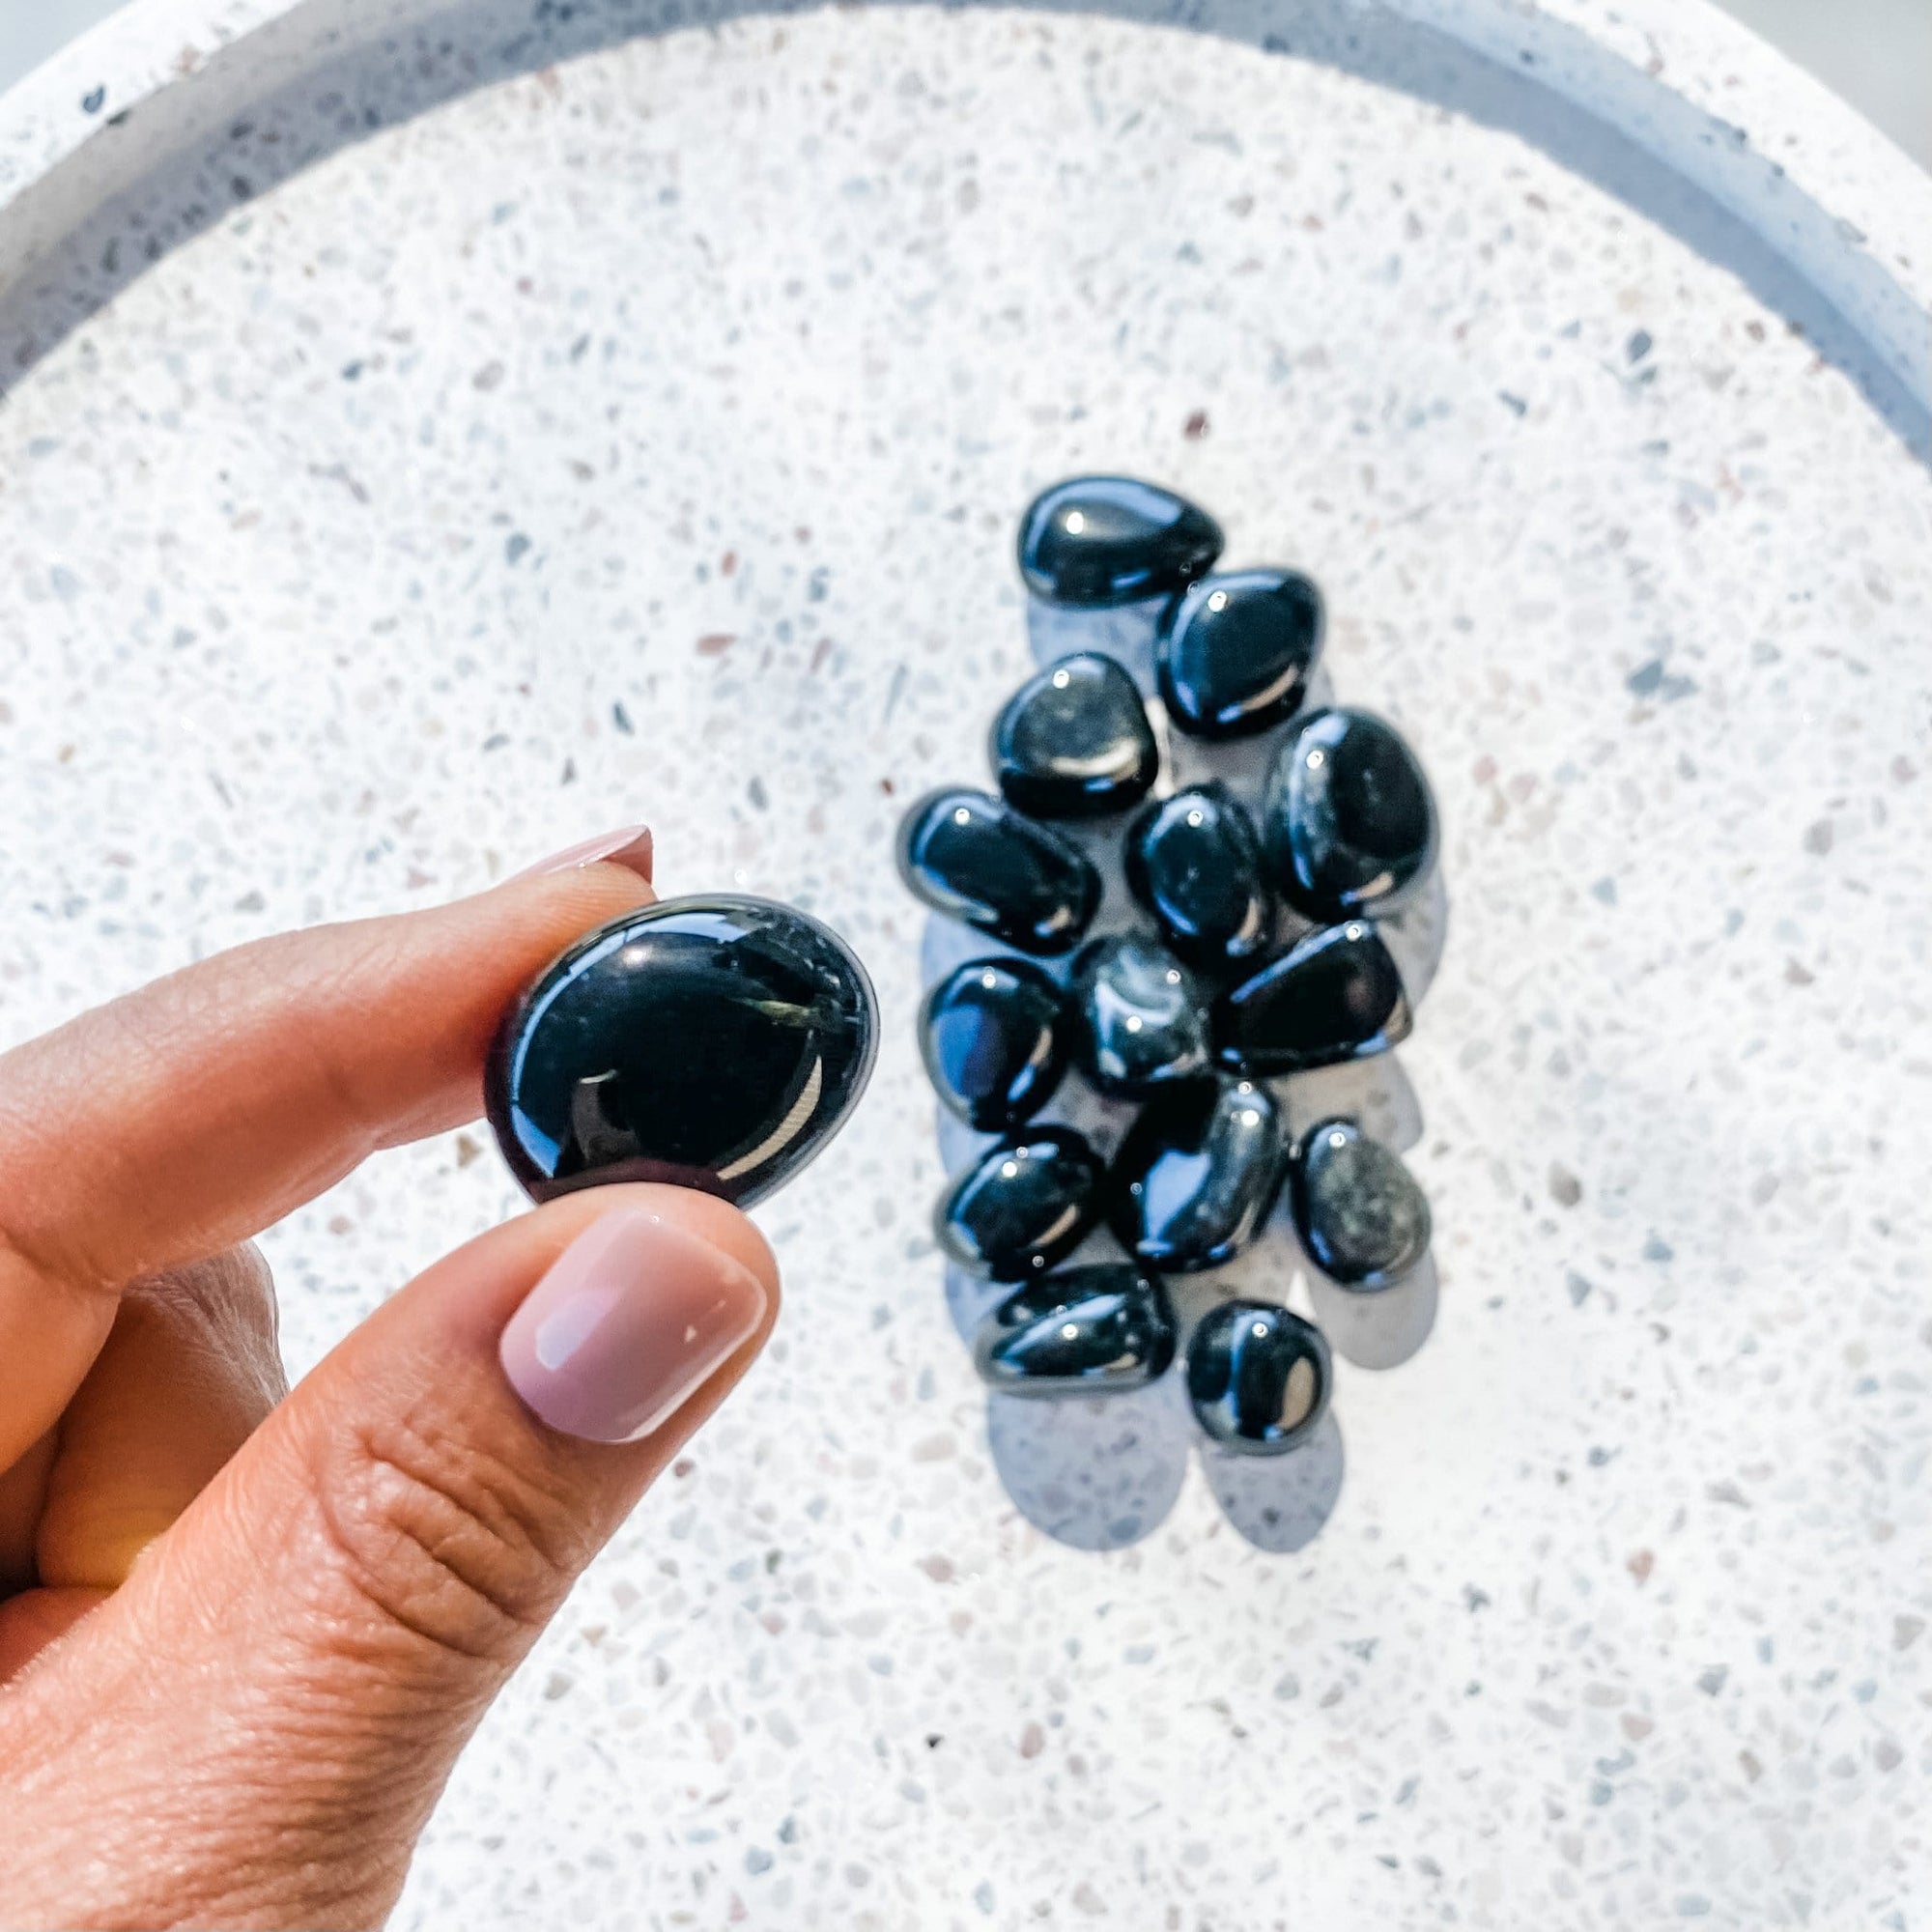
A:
(1338, 995)
(973, 857)
(716, 1043)
(1143, 1023)
(1082, 1331)
(1074, 741)
(1348, 822)
(1100, 540)
(1363, 1220)
(1197, 1175)
(1194, 860)
(1236, 652)
(1259, 1378)
(994, 1036)
(1027, 1204)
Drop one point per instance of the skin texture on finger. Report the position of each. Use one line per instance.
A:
(259, 1721)
(191, 1115)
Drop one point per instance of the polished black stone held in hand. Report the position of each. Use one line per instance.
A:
(1348, 822)
(973, 856)
(1197, 1175)
(994, 1036)
(1336, 996)
(1143, 1022)
(1362, 1218)
(1259, 1378)
(1103, 540)
(1236, 652)
(1027, 1204)
(717, 1042)
(1074, 741)
(1194, 860)
(1093, 1330)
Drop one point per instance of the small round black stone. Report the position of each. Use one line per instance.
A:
(972, 856)
(1197, 1175)
(994, 1036)
(1236, 652)
(1082, 1331)
(1143, 1021)
(1348, 822)
(1362, 1218)
(1024, 1206)
(1074, 741)
(1259, 1378)
(716, 1043)
(1102, 540)
(1335, 996)
(1194, 860)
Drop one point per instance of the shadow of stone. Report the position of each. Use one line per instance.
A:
(1280, 1503)
(1377, 1327)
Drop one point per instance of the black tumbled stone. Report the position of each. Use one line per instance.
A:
(1142, 1019)
(1024, 1204)
(1197, 1175)
(716, 1043)
(972, 856)
(1074, 741)
(1348, 822)
(1194, 860)
(1336, 996)
(1083, 1331)
(994, 1036)
(1236, 652)
(1100, 540)
(1258, 1377)
(1361, 1216)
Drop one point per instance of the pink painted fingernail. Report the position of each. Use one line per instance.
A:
(631, 1319)
(630, 848)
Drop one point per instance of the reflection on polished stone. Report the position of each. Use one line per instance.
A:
(1194, 860)
(1074, 742)
(1026, 1205)
(1098, 540)
(1095, 1331)
(1336, 995)
(1197, 1175)
(1259, 1378)
(1237, 651)
(993, 1035)
(1142, 1017)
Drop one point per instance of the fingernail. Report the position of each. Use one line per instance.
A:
(630, 848)
(631, 1319)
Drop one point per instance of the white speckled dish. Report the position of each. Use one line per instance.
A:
(630, 420)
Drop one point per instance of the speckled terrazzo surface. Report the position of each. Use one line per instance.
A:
(642, 440)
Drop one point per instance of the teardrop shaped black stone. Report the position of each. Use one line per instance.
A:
(1083, 1331)
(1336, 996)
(994, 1036)
(1074, 741)
(1197, 1175)
(1348, 821)
(1143, 1021)
(1100, 540)
(1236, 652)
(1027, 1204)
(1259, 1378)
(716, 1043)
(1362, 1217)
(1194, 860)
(972, 856)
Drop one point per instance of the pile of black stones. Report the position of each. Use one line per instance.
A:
(1258, 946)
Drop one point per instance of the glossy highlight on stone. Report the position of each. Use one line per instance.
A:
(1095, 1331)
(1142, 1021)
(1103, 540)
(1236, 652)
(1197, 1175)
(1259, 1378)
(1024, 1206)
(1194, 860)
(994, 1036)
(973, 856)
(1336, 996)
(716, 1043)
(1361, 1216)
(1348, 822)
(1074, 741)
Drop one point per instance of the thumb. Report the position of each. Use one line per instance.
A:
(277, 1694)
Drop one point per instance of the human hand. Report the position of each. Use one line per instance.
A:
(245, 1632)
